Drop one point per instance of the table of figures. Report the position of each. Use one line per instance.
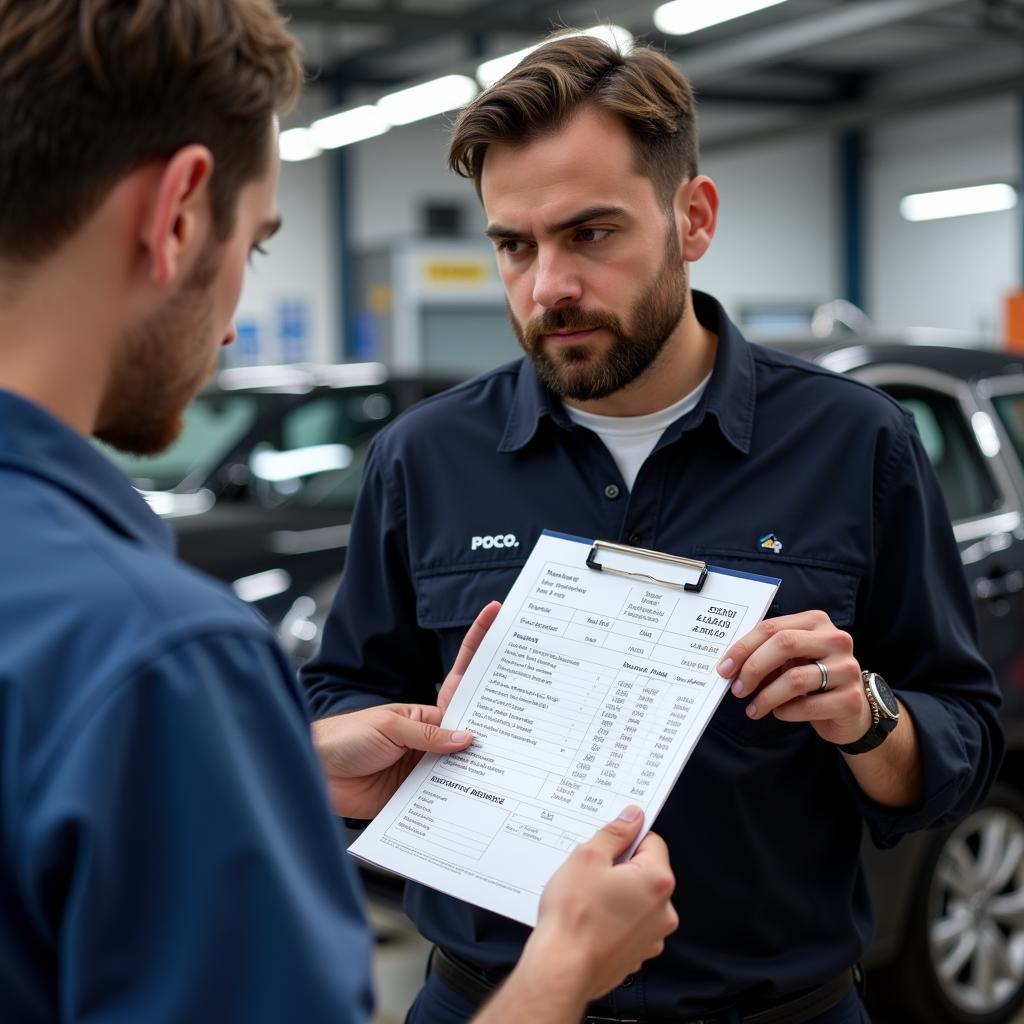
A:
(589, 706)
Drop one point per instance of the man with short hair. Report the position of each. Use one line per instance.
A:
(641, 415)
(167, 851)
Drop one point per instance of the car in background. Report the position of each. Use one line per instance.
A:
(949, 947)
(261, 484)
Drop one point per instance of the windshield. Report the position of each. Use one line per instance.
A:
(214, 424)
(1011, 411)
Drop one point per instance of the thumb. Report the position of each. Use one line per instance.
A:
(614, 839)
(412, 735)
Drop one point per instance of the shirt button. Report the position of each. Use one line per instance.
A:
(628, 981)
(633, 539)
(611, 491)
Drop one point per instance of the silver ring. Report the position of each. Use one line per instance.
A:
(823, 669)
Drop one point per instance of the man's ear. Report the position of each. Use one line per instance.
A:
(179, 216)
(696, 212)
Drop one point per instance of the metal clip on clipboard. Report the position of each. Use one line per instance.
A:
(690, 563)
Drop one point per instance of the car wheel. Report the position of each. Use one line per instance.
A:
(964, 961)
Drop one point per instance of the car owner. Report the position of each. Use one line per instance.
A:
(167, 851)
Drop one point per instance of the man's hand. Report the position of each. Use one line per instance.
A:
(598, 922)
(774, 664)
(366, 755)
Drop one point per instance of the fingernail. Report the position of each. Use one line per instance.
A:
(727, 668)
(737, 688)
(630, 813)
(460, 737)
(751, 709)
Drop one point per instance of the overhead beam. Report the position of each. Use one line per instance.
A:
(796, 37)
(350, 69)
(854, 115)
(408, 19)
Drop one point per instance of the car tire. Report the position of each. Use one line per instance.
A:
(963, 961)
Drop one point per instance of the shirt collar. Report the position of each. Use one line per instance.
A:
(728, 400)
(35, 442)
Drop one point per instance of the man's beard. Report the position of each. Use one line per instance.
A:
(579, 373)
(163, 364)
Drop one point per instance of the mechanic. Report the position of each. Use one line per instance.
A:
(641, 415)
(167, 849)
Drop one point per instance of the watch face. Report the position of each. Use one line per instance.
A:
(884, 695)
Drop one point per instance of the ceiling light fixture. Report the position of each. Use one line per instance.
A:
(491, 70)
(428, 99)
(681, 17)
(297, 144)
(349, 126)
(958, 202)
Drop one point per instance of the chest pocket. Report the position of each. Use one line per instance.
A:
(807, 584)
(448, 600)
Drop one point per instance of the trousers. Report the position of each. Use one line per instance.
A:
(438, 1004)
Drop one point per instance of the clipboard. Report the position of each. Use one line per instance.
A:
(587, 693)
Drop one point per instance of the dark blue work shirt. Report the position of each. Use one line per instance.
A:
(167, 852)
(764, 825)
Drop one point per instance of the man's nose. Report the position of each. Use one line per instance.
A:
(556, 283)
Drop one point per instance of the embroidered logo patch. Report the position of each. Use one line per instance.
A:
(769, 542)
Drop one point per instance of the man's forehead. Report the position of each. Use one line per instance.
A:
(588, 162)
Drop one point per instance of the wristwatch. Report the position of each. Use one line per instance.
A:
(885, 713)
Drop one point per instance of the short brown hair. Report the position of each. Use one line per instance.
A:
(548, 87)
(92, 89)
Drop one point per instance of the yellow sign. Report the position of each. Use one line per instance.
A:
(457, 271)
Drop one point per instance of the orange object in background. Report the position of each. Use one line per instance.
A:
(1015, 322)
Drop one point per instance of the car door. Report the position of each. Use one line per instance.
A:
(973, 460)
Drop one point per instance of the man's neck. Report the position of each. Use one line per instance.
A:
(49, 352)
(685, 360)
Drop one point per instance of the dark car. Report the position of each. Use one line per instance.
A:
(949, 947)
(261, 484)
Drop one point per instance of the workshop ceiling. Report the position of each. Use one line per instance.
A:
(796, 66)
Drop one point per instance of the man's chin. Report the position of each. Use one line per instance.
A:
(142, 439)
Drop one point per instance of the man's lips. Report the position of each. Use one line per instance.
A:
(569, 337)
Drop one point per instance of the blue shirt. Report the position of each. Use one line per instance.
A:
(764, 825)
(167, 852)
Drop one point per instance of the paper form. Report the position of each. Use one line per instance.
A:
(588, 693)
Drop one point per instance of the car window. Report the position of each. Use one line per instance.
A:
(1010, 409)
(323, 446)
(213, 425)
(950, 445)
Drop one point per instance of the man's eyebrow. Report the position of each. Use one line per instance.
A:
(580, 217)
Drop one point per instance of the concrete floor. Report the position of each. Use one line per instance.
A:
(400, 961)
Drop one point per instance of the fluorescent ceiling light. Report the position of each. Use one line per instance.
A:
(490, 71)
(436, 97)
(682, 16)
(298, 144)
(349, 126)
(262, 585)
(958, 202)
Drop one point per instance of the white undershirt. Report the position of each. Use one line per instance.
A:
(630, 439)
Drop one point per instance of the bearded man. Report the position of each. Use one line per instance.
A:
(641, 415)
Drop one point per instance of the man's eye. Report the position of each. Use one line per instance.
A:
(592, 234)
(256, 249)
(511, 246)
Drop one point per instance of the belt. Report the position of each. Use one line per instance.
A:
(476, 984)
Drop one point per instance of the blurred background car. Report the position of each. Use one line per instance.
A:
(261, 486)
